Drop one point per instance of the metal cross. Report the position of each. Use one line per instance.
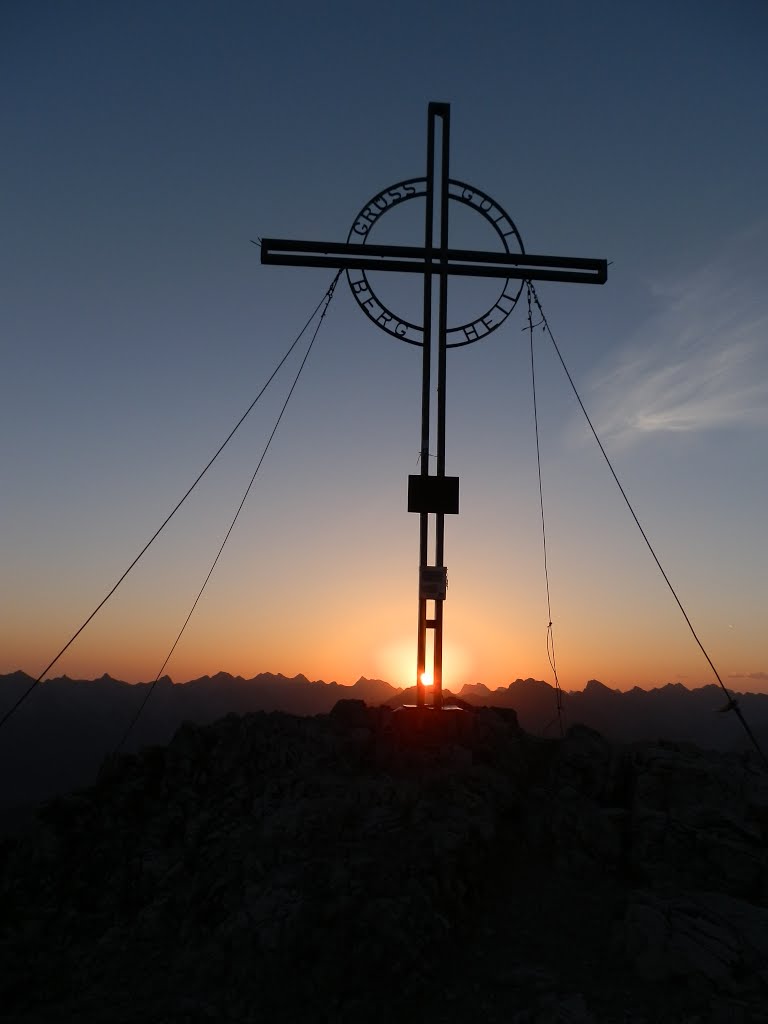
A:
(432, 494)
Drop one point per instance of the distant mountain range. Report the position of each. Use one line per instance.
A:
(59, 736)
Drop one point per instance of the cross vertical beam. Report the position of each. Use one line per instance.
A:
(437, 195)
(426, 379)
(442, 354)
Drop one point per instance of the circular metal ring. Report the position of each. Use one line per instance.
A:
(399, 327)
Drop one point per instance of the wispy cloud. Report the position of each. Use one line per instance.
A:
(700, 362)
(748, 675)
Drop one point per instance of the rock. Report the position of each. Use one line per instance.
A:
(350, 713)
(706, 941)
(322, 868)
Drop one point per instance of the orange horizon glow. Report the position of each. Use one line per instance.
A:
(333, 658)
(130, 640)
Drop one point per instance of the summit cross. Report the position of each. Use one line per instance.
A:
(433, 495)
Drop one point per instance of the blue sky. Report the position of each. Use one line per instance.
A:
(145, 145)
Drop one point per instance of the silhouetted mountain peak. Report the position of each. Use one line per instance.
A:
(529, 684)
(474, 689)
(17, 677)
(219, 678)
(373, 691)
(595, 688)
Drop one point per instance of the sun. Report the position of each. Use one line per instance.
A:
(395, 661)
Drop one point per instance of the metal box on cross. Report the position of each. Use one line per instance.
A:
(438, 494)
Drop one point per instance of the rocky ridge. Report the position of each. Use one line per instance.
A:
(368, 864)
(59, 737)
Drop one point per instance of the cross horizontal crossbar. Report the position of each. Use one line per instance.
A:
(420, 260)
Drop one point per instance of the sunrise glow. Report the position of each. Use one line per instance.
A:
(320, 573)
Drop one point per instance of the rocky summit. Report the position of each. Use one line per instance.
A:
(373, 865)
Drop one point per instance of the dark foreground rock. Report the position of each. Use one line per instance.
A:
(364, 866)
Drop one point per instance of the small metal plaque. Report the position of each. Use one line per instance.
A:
(433, 582)
(433, 494)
